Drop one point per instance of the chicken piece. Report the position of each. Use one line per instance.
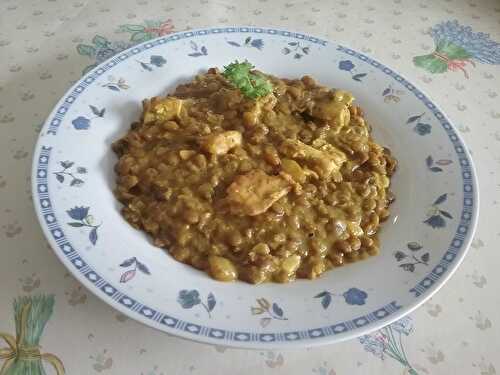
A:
(325, 161)
(292, 168)
(254, 192)
(344, 97)
(222, 143)
(165, 109)
(335, 110)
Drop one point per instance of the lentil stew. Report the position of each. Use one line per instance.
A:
(285, 186)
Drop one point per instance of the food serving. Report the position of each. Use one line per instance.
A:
(248, 176)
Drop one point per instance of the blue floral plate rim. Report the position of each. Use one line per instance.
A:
(312, 337)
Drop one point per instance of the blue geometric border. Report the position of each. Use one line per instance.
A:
(43, 200)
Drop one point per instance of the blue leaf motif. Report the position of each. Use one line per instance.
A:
(146, 66)
(78, 213)
(142, 267)
(277, 310)
(414, 246)
(414, 118)
(436, 169)
(233, 43)
(357, 77)
(102, 112)
(95, 110)
(293, 44)
(204, 50)
(429, 161)
(81, 123)
(321, 295)
(60, 177)
(446, 214)
(441, 199)
(435, 221)
(386, 91)
(67, 164)
(196, 54)
(128, 262)
(399, 255)
(211, 302)
(113, 87)
(326, 300)
(355, 296)
(93, 236)
(76, 182)
(193, 45)
(76, 225)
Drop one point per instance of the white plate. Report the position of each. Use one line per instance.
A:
(425, 239)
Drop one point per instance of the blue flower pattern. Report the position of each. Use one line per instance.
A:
(249, 42)
(353, 296)
(420, 128)
(83, 122)
(296, 49)
(84, 219)
(66, 173)
(348, 66)
(198, 51)
(190, 298)
(157, 61)
(436, 217)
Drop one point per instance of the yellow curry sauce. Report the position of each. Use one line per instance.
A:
(270, 189)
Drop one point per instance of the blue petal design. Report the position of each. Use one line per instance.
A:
(355, 296)
(188, 298)
(158, 61)
(277, 310)
(257, 43)
(93, 236)
(81, 123)
(435, 221)
(346, 65)
(422, 129)
(78, 213)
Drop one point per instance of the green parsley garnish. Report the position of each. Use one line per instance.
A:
(251, 85)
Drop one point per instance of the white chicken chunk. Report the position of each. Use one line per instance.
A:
(254, 192)
(325, 161)
(220, 144)
(164, 109)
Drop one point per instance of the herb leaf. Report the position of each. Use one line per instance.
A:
(250, 84)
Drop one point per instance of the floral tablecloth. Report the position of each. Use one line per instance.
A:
(450, 48)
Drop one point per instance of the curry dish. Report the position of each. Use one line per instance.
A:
(283, 186)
